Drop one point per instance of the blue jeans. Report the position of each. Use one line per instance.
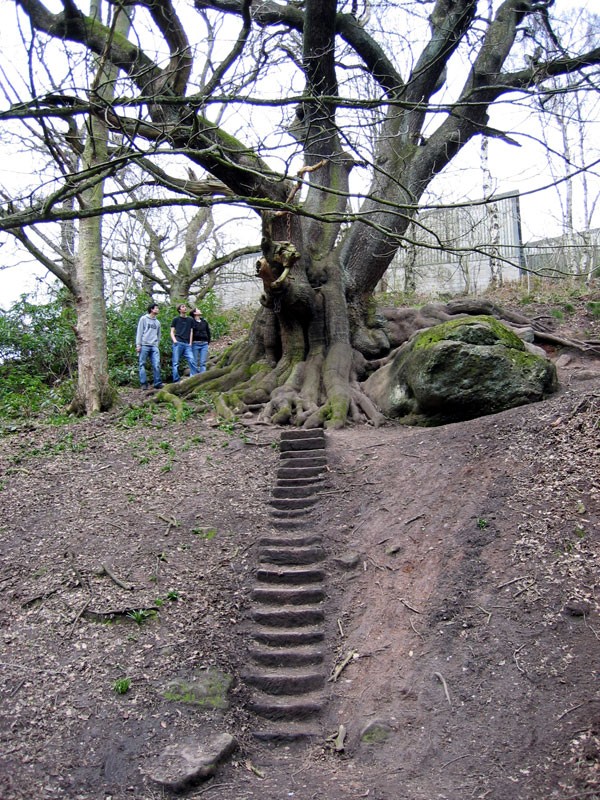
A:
(152, 352)
(185, 349)
(200, 350)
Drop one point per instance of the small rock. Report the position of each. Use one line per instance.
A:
(563, 360)
(182, 765)
(577, 608)
(376, 732)
(349, 560)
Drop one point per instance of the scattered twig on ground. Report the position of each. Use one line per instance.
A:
(568, 711)
(341, 630)
(516, 660)
(83, 582)
(78, 617)
(350, 656)
(413, 519)
(44, 596)
(117, 612)
(513, 580)
(442, 680)
(407, 605)
(171, 523)
(129, 587)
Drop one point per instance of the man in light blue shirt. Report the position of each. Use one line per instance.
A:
(147, 340)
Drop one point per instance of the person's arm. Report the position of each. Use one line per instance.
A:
(173, 339)
(138, 335)
(192, 332)
(208, 331)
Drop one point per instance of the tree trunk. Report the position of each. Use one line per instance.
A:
(94, 392)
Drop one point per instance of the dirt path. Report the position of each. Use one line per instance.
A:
(462, 572)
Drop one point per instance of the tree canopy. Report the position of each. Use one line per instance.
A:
(329, 119)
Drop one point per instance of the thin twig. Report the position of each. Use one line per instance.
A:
(407, 605)
(350, 656)
(568, 711)
(114, 578)
(78, 617)
(513, 580)
(441, 678)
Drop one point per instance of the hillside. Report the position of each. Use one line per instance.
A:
(462, 594)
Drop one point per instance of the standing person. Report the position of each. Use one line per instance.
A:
(200, 339)
(181, 334)
(147, 340)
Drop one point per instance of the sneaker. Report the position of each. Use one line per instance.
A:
(144, 387)
(159, 386)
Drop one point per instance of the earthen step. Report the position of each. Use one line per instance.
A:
(287, 445)
(288, 637)
(286, 656)
(289, 524)
(288, 617)
(303, 458)
(286, 596)
(287, 540)
(294, 492)
(292, 681)
(302, 433)
(291, 555)
(284, 707)
(287, 732)
(292, 514)
(295, 472)
(293, 504)
(290, 576)
(302, 480)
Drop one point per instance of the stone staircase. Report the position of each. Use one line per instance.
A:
(287, 667)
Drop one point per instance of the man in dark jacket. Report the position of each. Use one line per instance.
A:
(181, 335)
(200, 339)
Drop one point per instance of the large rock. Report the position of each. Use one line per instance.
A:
(461, 369)
(182, 765)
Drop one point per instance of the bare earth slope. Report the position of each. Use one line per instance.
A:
(462, 567)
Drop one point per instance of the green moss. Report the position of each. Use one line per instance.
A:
(451, 330)
(208, 689)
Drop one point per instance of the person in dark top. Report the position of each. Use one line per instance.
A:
(200, 339)
(181, 335)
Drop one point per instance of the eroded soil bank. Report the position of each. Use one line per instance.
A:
(471, 609)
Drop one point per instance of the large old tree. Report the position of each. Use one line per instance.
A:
(370, 136)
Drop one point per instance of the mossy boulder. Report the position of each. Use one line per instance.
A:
(461, 369)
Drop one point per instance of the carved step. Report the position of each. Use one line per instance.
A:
(294, 504)
(302, 433)
(283, 540)
(293, 514)
(290, 637)
(285, 707)
(303, 458)
(287, 445)
(295, 681)
(302, 480)
(291, 555)
(288, 617)
(286, 656)
(288, 472)
(285, 596)
(290, 576)
(287, 732)
(291, 492)
(288, 524)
